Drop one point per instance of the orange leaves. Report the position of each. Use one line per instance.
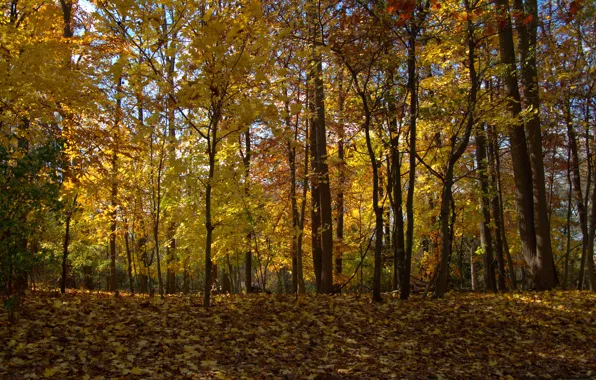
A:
(574, 8)
(403, 8)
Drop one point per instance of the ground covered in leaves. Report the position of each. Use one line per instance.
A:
(511, 335)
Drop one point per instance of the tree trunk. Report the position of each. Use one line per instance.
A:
(473, 269)
(485, 235)
(67, 33)
(171, 230)
(456, 153)
(317, 250)
(577, 188)
(404, 280)
(322, 169)
(496, 213)
(589, 262)
(378, 210)
(522, 171)
(568, 223)
(248, 254)
(342, 178)
(64, 254)
(493, 147)
(129, 261)
(543, 265)
(212, 145)
(398, 243)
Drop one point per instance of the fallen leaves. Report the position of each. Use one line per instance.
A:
(511, 335)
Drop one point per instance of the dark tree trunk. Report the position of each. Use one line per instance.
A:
(248, 254)
(317, 250)
(485, 235)
(129, 261)
(404, 280)
(64, 255)
(322, 170)
(342, 179)
(568, 222)
(496, 160)
(543, 265)
(577, 188)
(522, 172)
(496, 213)
(211, 151)
(398, 243)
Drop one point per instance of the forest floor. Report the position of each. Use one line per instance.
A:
(510, 335)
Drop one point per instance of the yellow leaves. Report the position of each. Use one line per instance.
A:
(135, 371)
(49, 372)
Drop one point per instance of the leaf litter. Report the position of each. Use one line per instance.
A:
(466, 335)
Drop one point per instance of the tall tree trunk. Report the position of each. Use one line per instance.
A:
(485, 234)
(322, 172)
(342, 177)
(568, 222)
(522, 172)
(211, 151)
(493, 147)
(113, 223)
(404, 280)
(496, 212)
(67, 33)
(171, 230)
(577, 188)
(114, 184)
(301, 287)
(398, 243)
(456, 153)
(315, 198)
(295, 216)
(589, 262)
(248, 255)
(543, 265)
(378, 210)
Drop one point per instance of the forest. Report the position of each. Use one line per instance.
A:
(297, 189)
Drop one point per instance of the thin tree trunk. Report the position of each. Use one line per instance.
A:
(342, 177)
(496, 212)
(473, 269)
(64, 254)
(568, 222)
(577, 188)
(485, 235)
(129, 260)
(456, 153)
(211, 150)
(404, 280)
(248, 254)
(494, 146)
(378, 210)
(398, 242)
(317, 250)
